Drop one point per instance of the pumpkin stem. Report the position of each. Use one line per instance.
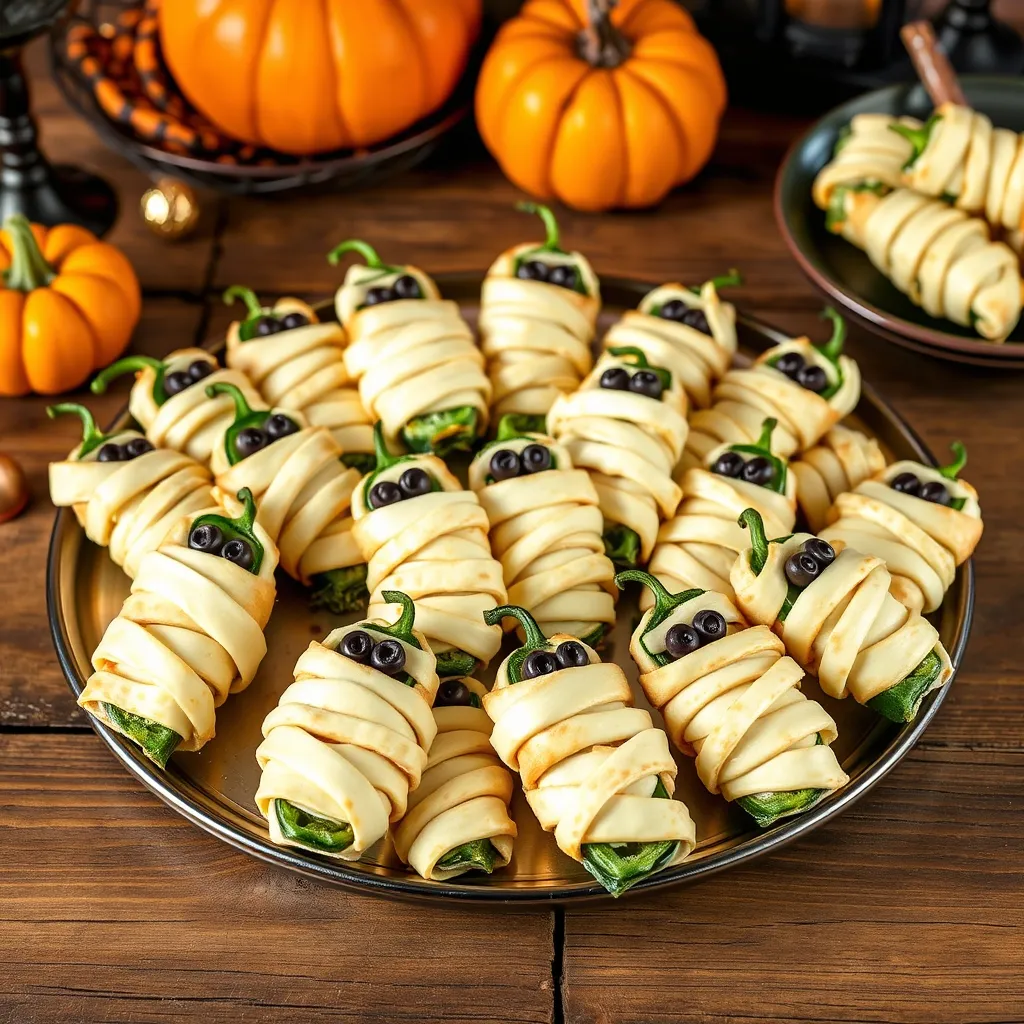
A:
(601, 44)
(29, 269)
(247, 295)
(551, 243)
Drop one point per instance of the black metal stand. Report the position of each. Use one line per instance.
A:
(29, 184)
(975, 42)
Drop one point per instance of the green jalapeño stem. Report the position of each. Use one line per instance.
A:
(551, 245)
(639, 360)
(534, 636)
(750, 519)
(917, 137)
(401, 629)
(552, 241)
(763, 447)
(729, 280)
(664, 604)
(953, 470)
(157, 741)
(311, 830)
(133, 364)
(365, 250)
(255, 312)
(238, 529)
(833, 348)
(91, 436)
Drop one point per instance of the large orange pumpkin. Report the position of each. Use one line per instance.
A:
(306, 76)
(600, 105)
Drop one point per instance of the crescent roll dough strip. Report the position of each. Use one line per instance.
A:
(458, 819)
(347, 741)
(190, 633)
(535, 333)
(735, 704)
(843, 459)
(418, 367)
(691, 332)
(128, 505)
(844, 627)
(302, 368)
(434, 548)
(746, 396)
(546, 531)
(596, 771)
(187, 421)
(921, 542)
(629, 443)
(698, 546)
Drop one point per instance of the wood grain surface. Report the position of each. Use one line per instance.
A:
(910, 907)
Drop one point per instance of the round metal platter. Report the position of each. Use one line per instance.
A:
(214, 788)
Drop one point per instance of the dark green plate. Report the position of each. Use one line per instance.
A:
(842, 271)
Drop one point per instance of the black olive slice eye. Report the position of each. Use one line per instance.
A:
(385, 493)
(801, 569)
(453, 693)
(505, 464)
(375, 296)
(681, 639)
(674, 309)
(562, 276)
(906, 483)
(206, 537)
(177, 381)
(137, 446)
(388, 656)
(200, 368)
(821, 551)
(728, 464)
(533, 270)
(414, 482)
(535, 458)
(237, 551)
(356, 646)
(812, 378)
(696, 319)
(615, 378)
(266, 325)
(110, 452)
(790, 363)
(406, 287)
(250, 440)
(571, 654)
(539, 663)
(935, 492)
(759, 470)
(709, 624)
(278, 425)
(646, 382)
(290, 321)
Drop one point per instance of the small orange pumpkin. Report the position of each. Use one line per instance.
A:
(305, 77)
(600, 105)
(68, 305)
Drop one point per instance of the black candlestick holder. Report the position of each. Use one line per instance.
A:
(29, 184)
(975, 42)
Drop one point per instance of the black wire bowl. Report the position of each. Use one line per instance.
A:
(275, 172)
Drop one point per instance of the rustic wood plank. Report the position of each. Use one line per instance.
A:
(908, 908)
(135, 915)
(32, 689)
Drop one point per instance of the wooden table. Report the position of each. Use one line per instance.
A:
(908, 908)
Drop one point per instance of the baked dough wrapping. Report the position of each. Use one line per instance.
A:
(186, 420)
(842, 459)
(735, 704)
(745, 397)
(629, 442)
(430, 543)
(126, 501)
(844, 627)
(189, 634)
(304, 493)
(457, 820)
(300, 365)
(689, 331)
(698, 546)
(596, 771)
(348, 740)
(419, 370)
(537, 323)
(546, 530)
(921, 541)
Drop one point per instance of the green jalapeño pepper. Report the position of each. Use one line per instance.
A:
(405, 287)
(750, 519)
(261, 321)
(664, 605)
(730, 280)
(531, 265)
(765, 469)
(639, 359)
(252, 430)
(443, 432)
(953, 470)
(166, 384)
(835, 214)
(92, 438)
(340, 591)
(917, 137)
(621, 545)
(510, 464)
(518, 424)
(384, 460)
(617, 866)
(793, 365)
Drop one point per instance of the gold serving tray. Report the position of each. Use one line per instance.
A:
(214, 788)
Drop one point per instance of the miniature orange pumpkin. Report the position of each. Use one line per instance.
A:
(68, 305)
(598, 104)
(306, 77)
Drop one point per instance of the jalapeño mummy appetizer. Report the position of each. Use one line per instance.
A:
(539, 305)
(732, 699)
(689, 331)
(808, 388)
(921, 521)
(126, 493)
(843, 459)
(626, 425)
(349, 737)
(423, 533)
(166, 401)
(304, 494)
(596, 771)
(297, 362)
(832, 608)
(457, 819)
(698, 546)
(418, 367)
(189, 634)
(546, 528)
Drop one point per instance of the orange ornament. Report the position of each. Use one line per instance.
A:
(304, 77)
(68, 305)
(600, 105)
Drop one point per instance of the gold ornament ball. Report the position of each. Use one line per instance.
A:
(170, 209)
(14, 492)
